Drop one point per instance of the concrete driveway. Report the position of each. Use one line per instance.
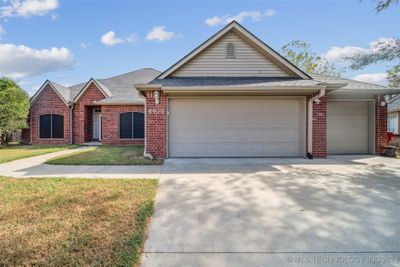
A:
(343, 211)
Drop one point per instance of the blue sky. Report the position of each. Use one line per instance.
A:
(71, 41)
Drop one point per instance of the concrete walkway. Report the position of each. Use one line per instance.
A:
(276, 212)
(35, 167)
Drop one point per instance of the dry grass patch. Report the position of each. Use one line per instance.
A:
(73, 221)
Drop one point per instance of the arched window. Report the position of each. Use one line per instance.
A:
(51, 126)
(230, 50)
(131, 125)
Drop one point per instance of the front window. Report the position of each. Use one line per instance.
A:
(393, 123)
(131, 125)
(51, 126)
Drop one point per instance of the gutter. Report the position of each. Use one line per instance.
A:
(310, 122)
(71, 131)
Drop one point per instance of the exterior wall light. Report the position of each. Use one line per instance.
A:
(317, 101)
(157, 97)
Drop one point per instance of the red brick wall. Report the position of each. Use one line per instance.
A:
(110, 124)
(319, 128)
(81, 113)
(380, 126)
(48, 102)
(156, 125)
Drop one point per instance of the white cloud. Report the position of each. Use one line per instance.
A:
(110, 39)
(27, 8)
(254, 15)
(132, 38)
(159, 33)
(377, 78)
(22, 61)
(338, 54)
(86, 45)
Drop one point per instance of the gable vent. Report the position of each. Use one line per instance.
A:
(230, 51)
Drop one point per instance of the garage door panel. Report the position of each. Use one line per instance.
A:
(343, 136)
(347, 120)
(347, 107)
(347, 127)
(239, 128)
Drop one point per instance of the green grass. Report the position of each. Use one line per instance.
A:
(106, 155)
(10, 153)
(73, 222)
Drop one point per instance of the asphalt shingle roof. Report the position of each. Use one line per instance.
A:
(120, 88)
(351, 84)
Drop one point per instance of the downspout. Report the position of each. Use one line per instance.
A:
(30, 125)
(310, 122)
(145, 154)
(71, 131)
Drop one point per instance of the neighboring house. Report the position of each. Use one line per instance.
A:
(233, 96)
(393, 119)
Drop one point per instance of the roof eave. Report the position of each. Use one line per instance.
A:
(249, 89)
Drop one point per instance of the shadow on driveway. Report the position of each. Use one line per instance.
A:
(254, 212)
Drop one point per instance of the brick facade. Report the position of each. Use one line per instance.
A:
(319, 128)
(48, 102)
(110, 124)
(82, 120)
(380, 126)
(156, 125)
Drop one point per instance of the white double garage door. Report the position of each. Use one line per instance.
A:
(259, 127)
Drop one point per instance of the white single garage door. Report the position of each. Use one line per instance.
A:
(236, 127)
(347, 127)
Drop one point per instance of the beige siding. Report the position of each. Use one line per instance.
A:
(213, 62)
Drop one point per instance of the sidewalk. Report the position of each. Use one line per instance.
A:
(35, 167)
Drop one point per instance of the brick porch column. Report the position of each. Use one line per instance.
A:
(156, 125)
(380, 125)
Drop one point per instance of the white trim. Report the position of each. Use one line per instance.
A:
(218, 35)
(38, 92)
(83, 90)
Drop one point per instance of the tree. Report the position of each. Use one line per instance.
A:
(384, 4)
(300, 54)
(14, 109)
(383, 50)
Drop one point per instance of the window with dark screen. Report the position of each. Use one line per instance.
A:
(131, 125)
(51, 126)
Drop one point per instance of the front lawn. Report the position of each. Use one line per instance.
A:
(73, 222)
(106, 155)
(10, 153)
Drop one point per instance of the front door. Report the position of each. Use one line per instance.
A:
(97, 125)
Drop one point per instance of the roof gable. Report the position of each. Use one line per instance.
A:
(60, 90)
(252, 58)
(103, 89)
